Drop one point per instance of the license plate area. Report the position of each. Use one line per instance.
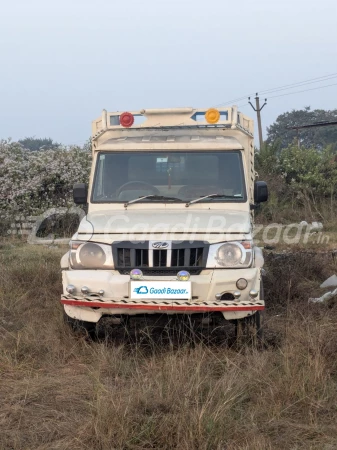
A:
(169, 290)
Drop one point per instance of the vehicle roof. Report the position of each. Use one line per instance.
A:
(160, 141)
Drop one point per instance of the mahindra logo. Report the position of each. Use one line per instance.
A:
(160, 245)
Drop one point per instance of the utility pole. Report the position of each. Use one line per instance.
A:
(258, 110)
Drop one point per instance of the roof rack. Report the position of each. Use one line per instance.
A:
(228, 117)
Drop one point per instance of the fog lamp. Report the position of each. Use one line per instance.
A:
(85, 290)
(71, 289)
(253, 293)
(183, 275)
(241, 284)
(136, 274)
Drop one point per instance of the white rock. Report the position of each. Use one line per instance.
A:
(324, 297)
(330, 282)
(316, 226)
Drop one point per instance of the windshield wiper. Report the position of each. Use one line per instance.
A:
(152, 197)
(196, 200)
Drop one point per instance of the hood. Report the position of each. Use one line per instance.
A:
(130, 223)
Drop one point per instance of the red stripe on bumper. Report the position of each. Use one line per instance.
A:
(160, 307)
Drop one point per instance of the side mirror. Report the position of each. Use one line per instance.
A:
(80, 193)
(260, 192)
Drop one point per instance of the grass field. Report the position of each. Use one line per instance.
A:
(59, 390)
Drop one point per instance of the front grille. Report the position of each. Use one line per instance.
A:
(129, 257)
(141, 258)
(189, 257)
(180, 255)
(124, 257)
(159, 258)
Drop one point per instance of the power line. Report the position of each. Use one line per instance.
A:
(287, 86)
(232, 101)
(305, 90)
(301, 83)
(313, 125)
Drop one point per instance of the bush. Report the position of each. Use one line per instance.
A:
(301, 182)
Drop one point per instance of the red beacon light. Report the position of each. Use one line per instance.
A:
(126, 119)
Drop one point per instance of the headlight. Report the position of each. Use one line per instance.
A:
(230, 254)
(89, 255)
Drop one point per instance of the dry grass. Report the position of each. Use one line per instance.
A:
(281, 240)
(61, 391)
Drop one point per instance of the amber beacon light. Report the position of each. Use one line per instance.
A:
(212, 115)
(126, 119)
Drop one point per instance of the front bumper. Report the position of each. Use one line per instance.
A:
(117, 301)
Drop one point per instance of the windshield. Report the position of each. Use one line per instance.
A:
(125, 176)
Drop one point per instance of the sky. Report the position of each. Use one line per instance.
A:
(63, 62)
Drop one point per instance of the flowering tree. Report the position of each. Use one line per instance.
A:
(33, 181)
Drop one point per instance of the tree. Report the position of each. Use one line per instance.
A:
(317, 138)
(34, 144)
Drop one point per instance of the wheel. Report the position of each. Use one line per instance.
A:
(87, 329)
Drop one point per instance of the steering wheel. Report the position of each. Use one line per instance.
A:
(131, 185)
